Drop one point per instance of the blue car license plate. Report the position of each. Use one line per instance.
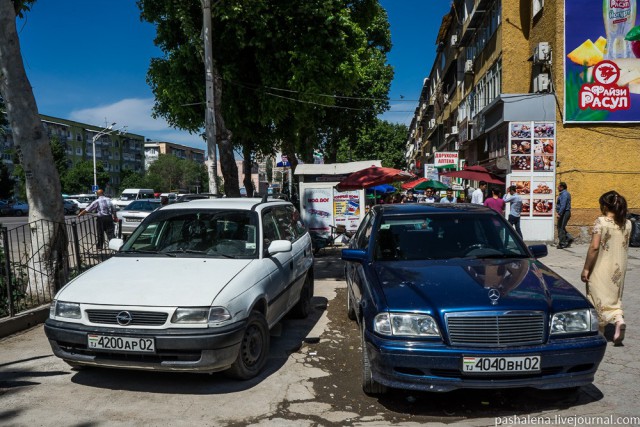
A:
(479, 365)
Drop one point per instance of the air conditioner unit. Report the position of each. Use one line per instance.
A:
(468, 66)
(432, 123)
(454, 130)
(542, 53)
(541, 83)
(454, 40)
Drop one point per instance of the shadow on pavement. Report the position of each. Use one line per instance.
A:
(287, 337)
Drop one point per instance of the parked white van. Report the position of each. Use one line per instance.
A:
(131, 194)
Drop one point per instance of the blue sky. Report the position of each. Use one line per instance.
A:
(87, 61)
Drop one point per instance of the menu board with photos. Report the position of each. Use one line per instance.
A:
(532, 156)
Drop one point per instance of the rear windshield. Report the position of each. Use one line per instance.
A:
(444, 236)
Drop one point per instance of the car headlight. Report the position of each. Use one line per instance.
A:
(200, 315)
(70, 310)
(406, 324)
(574, 321)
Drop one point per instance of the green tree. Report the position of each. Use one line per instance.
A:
(385, 141)
(169, 173)
(294, 76)
(79, 178)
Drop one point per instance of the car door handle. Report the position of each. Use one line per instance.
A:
(291, 265)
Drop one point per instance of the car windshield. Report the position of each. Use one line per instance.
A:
(128, 196)
(445, 236)
(143, 205)
(213, 233)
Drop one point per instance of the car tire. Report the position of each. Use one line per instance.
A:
(18, 212)
(370, 386)
(254, 349)
(351, 310)
(303, 307)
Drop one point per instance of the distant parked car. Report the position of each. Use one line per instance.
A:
(132, 215)
(70, 207)
(19, 208)
(82, 200)
(5, 208)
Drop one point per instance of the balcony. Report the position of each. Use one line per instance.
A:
(474, 21)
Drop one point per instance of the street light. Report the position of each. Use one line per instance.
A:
(106, 131)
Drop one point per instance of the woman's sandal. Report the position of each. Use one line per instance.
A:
(619, 335)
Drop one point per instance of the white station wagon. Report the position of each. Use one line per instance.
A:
(204, 283)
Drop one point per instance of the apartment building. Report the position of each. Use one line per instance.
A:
(116, 151)
(502, 94)
(152, 149)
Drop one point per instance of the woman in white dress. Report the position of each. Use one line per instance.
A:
(606, 263)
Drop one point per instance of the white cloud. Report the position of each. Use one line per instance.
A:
(135, 114)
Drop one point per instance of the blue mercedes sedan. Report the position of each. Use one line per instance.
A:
(449, 296)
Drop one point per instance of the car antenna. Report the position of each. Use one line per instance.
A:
(264, 198)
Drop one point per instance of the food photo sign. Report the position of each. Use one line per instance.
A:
(602, 62)
(532, 156)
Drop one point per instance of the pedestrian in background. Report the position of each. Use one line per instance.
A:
(477, 197)
(563, 210)
(449, 198)
(515, 210)
(106, 213)
(429, 196)
(495, 202)
(606, 263)
(409, 198)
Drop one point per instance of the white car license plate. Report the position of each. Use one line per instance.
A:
(501, 364)
(125, 344)
(133, 219)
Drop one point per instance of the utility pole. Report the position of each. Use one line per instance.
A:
(210, 116)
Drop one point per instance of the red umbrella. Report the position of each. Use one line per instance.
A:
(372, 176)
(409, 185)
(475, 173)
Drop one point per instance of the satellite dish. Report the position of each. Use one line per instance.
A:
(503, 163)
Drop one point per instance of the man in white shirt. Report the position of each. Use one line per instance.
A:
(478, 196)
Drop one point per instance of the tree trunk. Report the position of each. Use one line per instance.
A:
(247, 166)
(228, 164)
(34, 152)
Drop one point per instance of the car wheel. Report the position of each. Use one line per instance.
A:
(369, 385)
(18, 212)
(254, 349)
(351, 310)
(303, 307)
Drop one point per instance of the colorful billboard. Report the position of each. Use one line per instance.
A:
(602, 62)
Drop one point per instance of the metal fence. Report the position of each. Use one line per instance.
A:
(23, 284)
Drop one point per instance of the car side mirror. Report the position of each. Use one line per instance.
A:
(539, 251)
(115, 244)
(356, 255)
(278, 246)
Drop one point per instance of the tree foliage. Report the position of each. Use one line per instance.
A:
(169, 173)
(385, 141)
(295, 75)
(79, 178)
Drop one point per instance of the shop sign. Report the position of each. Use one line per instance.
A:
(444, 158)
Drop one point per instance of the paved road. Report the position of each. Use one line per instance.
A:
(312, 379)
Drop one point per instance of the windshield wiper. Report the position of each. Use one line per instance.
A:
(138, 251)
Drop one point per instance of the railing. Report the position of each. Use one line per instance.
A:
(26, 283)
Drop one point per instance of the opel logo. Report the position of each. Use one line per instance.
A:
(494, 295)
(124, 318)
